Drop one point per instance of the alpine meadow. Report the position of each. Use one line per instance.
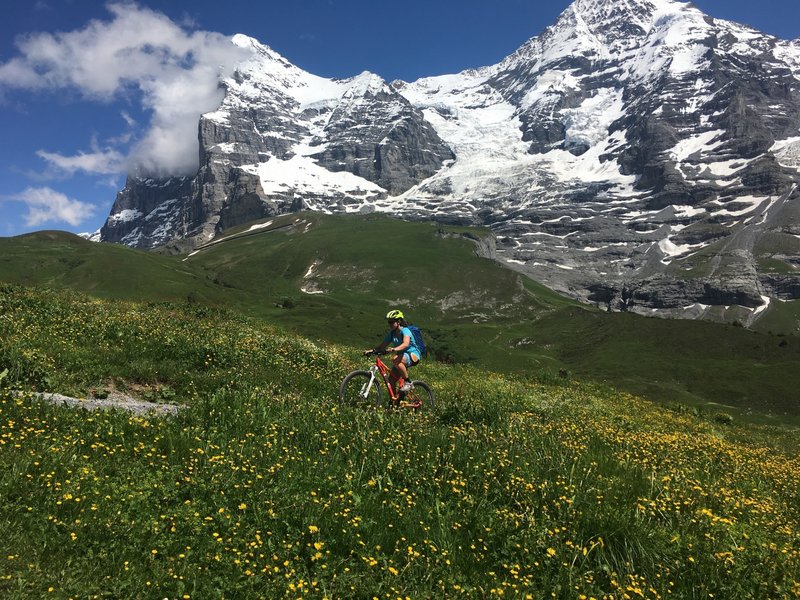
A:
(539, 473)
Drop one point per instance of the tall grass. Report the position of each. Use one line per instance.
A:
(265, 487)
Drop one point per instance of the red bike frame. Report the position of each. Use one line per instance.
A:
(394, 396)
(386, 372)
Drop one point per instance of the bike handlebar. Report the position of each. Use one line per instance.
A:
(374, 352)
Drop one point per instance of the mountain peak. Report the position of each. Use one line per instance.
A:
(257, 48)
(643, 13)
(605, 29)
(621, 22)
(366, 83)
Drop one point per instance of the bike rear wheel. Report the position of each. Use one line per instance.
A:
(356, 390)
(422, 394)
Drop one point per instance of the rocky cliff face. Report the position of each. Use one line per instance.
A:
(637, 154)
(283, 140)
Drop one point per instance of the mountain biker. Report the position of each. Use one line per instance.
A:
(400, 341)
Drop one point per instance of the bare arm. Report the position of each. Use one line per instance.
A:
(406, 343)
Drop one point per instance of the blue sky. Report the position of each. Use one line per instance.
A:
(71, 132)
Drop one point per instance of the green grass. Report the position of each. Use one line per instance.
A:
(59, 259)
(688, 361)
(769, 264)
(781, 317)
(777, 243)
(265, 487)
(472, 310)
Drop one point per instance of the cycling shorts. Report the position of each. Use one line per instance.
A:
(410, 358)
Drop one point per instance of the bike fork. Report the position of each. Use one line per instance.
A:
(368, 386)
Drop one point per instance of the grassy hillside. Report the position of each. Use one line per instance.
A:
(59, 259)
(264, 487)
(333, 277)
(354, 269)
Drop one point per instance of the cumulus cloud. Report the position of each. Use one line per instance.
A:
(46, 205)
(176, 71)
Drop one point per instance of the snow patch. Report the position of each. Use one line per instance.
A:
(763, 307)
(725, 169)
(787, 152)
(225, 147)
(682, 211)
(701, 142)
(671, 250)
(302, 174)
(258, 226)
(697, 305)
(550, 86)
(750, 203)
(311, 287)
(589, 123)
(125, 216)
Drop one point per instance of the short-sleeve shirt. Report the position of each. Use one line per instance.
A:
(395, 338)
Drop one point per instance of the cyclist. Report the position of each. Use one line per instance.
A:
(399, 340)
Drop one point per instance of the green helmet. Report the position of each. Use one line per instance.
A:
(394, 314)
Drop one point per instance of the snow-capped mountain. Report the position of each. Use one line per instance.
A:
(637, 153)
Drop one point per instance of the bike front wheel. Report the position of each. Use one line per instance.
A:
(421, 394)
(360, 388)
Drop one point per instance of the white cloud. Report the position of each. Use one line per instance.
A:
(128, 119)
(98, 163)
(47, 205)
(177, 72)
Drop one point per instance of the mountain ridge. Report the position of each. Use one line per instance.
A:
(609, 161)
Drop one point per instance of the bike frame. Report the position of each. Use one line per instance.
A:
(385, 371)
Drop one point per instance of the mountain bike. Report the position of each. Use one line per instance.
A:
(364, 388)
